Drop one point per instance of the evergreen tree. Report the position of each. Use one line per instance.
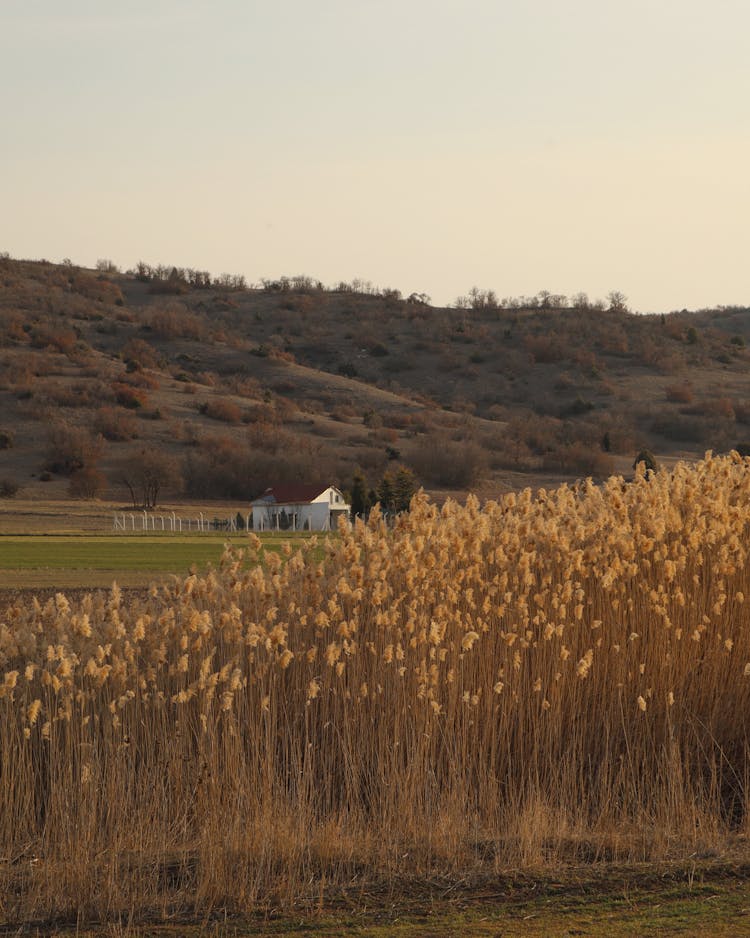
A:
(404, 487)
(360, 502)
(386, 493)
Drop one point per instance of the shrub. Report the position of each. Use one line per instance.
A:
(70, 449)
(580, 459)
(114, 425)
(136, 352)
(8, 488)
(174, 321)
(45, 336)
(720, 408)
(448, 463)
(647, 458)
(219, 408)
(95, 288)
(679, 393)
(544, 349)
(87, 483)
(578, 407)
(130, 397)
(372, 419)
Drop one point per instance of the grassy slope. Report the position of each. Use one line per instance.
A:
(521, 386)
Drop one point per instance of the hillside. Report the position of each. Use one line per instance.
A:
(222, 389)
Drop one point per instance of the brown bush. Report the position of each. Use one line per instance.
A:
(11, 328)
(174, 321)
(717, 408)
(71, 448)
(45, 336)
(87, 483)
(115, 425)
(679, 393)
(219, 408)
(579, 458)
(130, 397)
(702, 431)
(440, 461)
(544, 349)
(267, 436)
(77, 394)
(264, 414)
(9, 488)
(96, 288)
(140, 352)
(141, 379)
(225, 467)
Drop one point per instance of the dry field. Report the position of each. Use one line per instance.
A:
(543, 682)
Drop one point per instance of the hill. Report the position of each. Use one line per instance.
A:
(218, 389)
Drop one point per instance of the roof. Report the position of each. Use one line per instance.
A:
(294, 493)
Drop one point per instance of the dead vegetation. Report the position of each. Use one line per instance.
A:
(544, 682)
(468, 396)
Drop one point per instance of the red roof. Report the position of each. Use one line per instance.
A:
(294, 493)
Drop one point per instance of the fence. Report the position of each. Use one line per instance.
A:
(200, 524)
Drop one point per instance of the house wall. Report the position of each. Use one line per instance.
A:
(316, 514)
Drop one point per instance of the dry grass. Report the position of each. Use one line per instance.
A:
(540, 388)
(543, 681)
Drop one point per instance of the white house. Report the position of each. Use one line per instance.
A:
(299, 507)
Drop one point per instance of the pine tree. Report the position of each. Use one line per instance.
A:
(386, 493)
(360, 502)
(404, 487)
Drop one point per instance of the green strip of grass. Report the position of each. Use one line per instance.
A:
(159, 553)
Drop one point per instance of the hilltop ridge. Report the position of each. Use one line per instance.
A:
(232, 387)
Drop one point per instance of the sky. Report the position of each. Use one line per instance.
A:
(424, 145)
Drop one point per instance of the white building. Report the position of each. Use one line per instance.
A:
(299, 507)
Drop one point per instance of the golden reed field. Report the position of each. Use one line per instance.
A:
(554, 678)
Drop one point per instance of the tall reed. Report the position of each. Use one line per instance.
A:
(554, 677)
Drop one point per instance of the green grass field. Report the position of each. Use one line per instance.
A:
(34, 561)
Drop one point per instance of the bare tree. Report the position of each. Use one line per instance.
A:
(147, 474)
(618, 302)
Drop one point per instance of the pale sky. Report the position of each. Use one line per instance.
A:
(428, 145)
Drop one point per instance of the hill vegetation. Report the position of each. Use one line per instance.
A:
(164, 381)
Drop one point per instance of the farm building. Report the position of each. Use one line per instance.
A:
(299, 507)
